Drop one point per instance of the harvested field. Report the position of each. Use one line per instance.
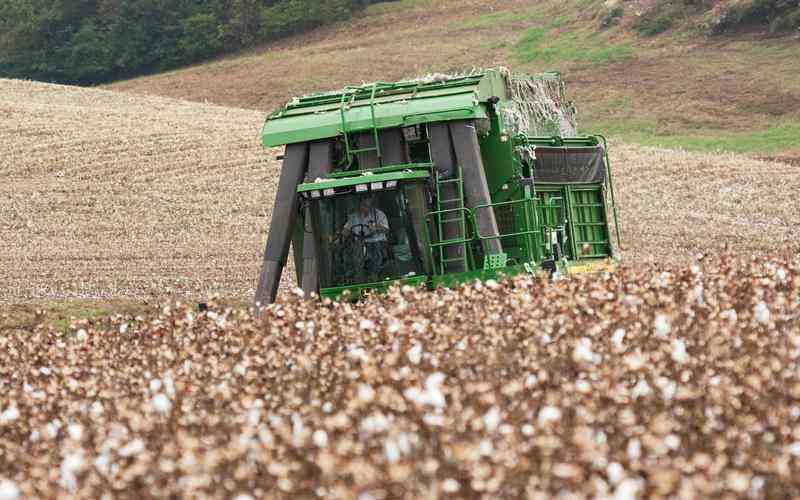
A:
(635, 384)
(108, 195)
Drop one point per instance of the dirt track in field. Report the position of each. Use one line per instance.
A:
(108, 195)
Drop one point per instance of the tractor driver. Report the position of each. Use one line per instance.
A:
(371, 224)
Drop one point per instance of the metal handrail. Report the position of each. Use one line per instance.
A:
(611, 188)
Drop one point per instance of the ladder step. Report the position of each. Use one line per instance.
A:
(456, 259)
(452, 200)
(363, 150)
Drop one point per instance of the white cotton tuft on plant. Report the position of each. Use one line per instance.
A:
(432, 395)
(75, 432)
(366, 393)
(9, 415)
(320, 438)
(761, 313)
(628, 489)
(634, 449)
(415, 354)
(548, 415)
(161, 403)
(679, 354)
(794, 448)
(641, 389)
(72, 464)
(132, 449)
(450, 485)
(618, 337)
(81, 335)
(492, 419)
(8, 490)
(155, 385)
(615, 472)
(662, 326)
(367, 324)
(583, 352)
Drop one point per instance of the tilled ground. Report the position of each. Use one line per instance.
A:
(627, 385)
(110, 196)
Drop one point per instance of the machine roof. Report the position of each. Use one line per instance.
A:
(324, 115)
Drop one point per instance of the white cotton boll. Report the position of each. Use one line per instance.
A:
(243, 496)
(780, 274)
(320, 438)
(81, 336)
(548, 414)
(391, 450)
(672, 441)
(679, 354)
(8, 490)
(394, 326)
(615, 472)
(794, 448)
(96, 410)
(75, 432)
(432, 395)
(662, 326)
(730, 315)
(367, 324)
(375, 423)
(298, 430)
(492, 419)
(761, 313)
(71, 464)
(528, 430)
(133, 448)
(628, 489)
(155, 385)
(299, 292)
(366, 393)
(161, 403)
(492, 284)
(415, 354)
(641, 389)
(583, 352)
(327, 407)
(450, 485)
(358, 353)
(240, 369)
(634, 449)
(45, 370)
(433, 419)
(618, 338)
(696, 294)
(123, 328)
(9, 415)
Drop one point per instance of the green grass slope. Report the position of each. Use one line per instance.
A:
(679, 89)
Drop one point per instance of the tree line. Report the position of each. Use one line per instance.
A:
(94, 41)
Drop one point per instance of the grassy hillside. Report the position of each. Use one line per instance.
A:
(737, 92)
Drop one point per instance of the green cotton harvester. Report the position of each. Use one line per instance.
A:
(436, 181)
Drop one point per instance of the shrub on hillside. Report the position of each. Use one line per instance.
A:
(611, 13)
(777, 15)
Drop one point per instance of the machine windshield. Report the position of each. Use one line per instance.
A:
(372, 236)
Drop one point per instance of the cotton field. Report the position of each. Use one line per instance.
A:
(641, 383)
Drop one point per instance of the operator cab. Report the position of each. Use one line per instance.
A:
(354, 252)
